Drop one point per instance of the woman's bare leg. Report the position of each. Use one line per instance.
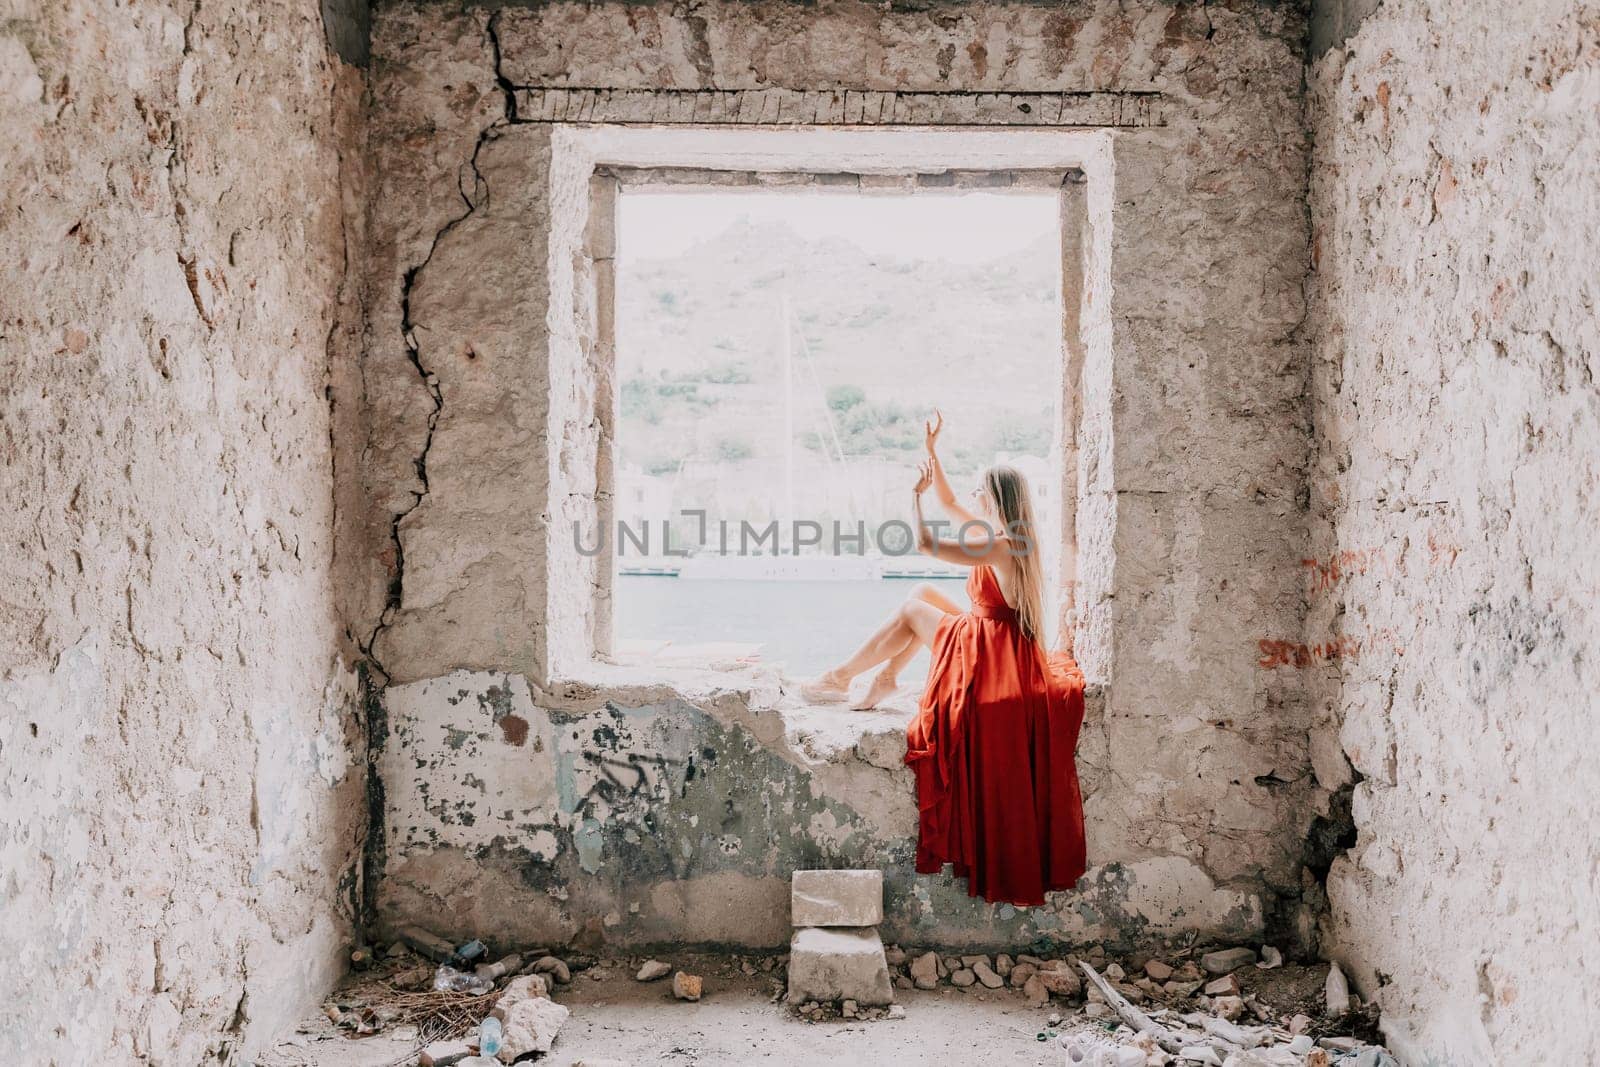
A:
(914, 622)
(887, 680)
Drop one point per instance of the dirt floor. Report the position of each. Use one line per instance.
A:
(736, 1021)
(740, 1019)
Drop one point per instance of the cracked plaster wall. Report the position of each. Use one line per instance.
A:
(1455, 500)
(182, 800)
(1196, 761)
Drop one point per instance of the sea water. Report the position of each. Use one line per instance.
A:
(807, 626)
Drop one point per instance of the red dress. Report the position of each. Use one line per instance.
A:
(993, 747)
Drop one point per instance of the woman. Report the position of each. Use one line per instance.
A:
(994, 739)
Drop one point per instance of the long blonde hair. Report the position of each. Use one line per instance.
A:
(1009, 491)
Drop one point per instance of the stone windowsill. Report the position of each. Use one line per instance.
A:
(721, 679)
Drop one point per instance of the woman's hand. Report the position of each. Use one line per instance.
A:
(924, 477)
(930, 431)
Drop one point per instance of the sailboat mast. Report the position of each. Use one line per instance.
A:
(788, 420)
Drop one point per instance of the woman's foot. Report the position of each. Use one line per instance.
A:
(884, 686)
(826, 688)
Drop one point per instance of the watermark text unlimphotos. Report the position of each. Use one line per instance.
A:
(896, 537)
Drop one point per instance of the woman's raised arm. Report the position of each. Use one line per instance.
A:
(973, 546)
(941, 484)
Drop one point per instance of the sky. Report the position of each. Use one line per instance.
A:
(957, 227)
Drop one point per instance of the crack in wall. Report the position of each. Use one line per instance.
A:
(409, 329)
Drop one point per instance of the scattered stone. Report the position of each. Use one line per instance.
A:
(963, 977)
(1034, 989)
(555, 968)
(426, 943)
(948, 965)
(531, 1025)
(1299, 1024)
(900, 981)
(1336, 992)
(652, 970)
(1053, 1019)
(896, 1011)
(1229, 1008)
(444, 1053)
(1339, 1044)
(971, 962)
(521, 988)
(925, 971)
(830, 964)
(1317, 1057)
(988, 975)
(1180, 990)
(1115, 973)
(1226, 986)
(836, 898)
(848, 1009)
(1157, 970)
(1060, 979)
(1020, 973)
(894, 956)
(686, 986)
(1003, 965)
(1096, 1010)
(1227, 960)
(1034, 960)
(396, 950)
(1270, 958)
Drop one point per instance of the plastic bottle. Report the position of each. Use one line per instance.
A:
(490, 1036)
(448, 978)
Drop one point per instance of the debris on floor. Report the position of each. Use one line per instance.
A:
(1089, 1008)
(501, 1009)
(686, 986)
(1231, 1007)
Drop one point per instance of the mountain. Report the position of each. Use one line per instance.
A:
(879, 341)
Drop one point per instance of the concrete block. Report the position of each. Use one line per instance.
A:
(836, 898)
(829, 965)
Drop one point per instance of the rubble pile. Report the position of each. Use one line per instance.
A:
(1228, 1006)
(1158, 1012)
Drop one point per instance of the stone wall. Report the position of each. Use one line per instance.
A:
(182, 797)
(1454, 573)
(1195, 758)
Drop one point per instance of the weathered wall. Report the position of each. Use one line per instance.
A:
(181, 811)
(1196, 760)
(1456, 214)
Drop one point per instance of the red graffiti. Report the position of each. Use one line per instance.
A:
(1301, 655)
(1325, 574)
(1441, 552)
